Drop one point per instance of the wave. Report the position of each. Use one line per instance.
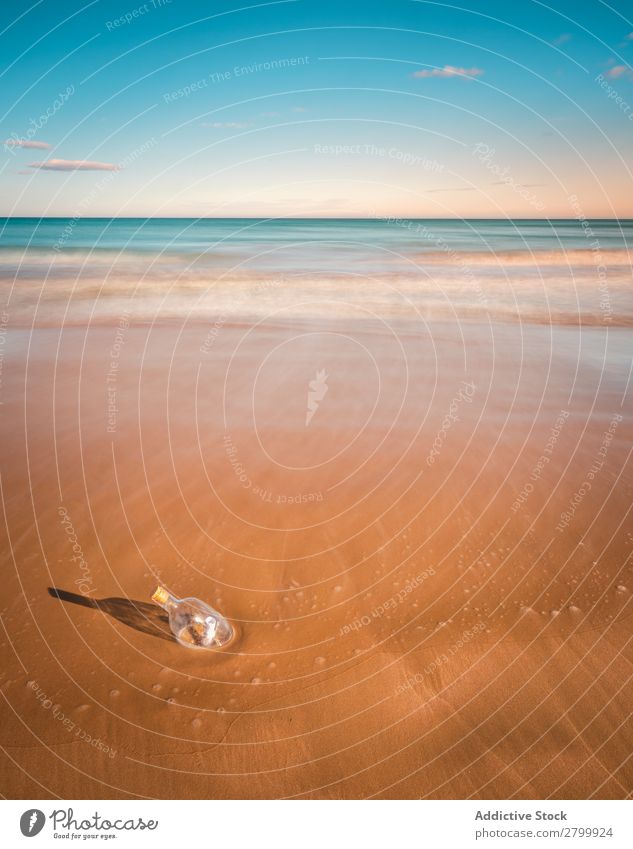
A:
(537, 258)
(565, 287)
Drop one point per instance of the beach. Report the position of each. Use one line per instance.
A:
(409, 489)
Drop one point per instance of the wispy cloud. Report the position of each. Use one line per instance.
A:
(73, 165)
(225, 125)
(520, 185)
(459, 189)
(299, 109)
(38, 145)
(619, 71)
(562, 39)
(448, 71)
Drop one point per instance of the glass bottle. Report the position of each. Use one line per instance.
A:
(194, 623)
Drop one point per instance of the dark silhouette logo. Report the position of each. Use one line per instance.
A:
(32, 822)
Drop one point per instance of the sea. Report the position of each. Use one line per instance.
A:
(574, 271)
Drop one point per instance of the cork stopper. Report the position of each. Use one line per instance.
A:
(160, 595)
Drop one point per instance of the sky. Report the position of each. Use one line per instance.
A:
(316, 108)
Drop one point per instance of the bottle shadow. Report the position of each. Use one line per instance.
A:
(140, 615)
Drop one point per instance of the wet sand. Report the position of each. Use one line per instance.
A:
(431, 600)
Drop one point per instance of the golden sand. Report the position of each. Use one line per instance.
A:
(426, 605)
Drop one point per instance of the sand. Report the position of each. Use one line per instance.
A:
(431, 602)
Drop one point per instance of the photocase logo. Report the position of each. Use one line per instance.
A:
(316, 393)
(65, 824)
(32, 822)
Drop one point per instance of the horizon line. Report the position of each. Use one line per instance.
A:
(379, 219)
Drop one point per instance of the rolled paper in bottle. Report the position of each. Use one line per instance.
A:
(160, 595)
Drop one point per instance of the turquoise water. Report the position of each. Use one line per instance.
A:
(563, 271)
(182, 235)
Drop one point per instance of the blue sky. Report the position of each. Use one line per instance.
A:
(316, 108)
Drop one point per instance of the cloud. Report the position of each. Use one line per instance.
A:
(562, 39)
(299, 109)
(226, 125)
(448, 71)
(460, 189)
(39, 145)
(520, 185)
(619, 71)
(73, 165)
(630, 37)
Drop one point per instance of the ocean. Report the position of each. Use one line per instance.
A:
(560, 271)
